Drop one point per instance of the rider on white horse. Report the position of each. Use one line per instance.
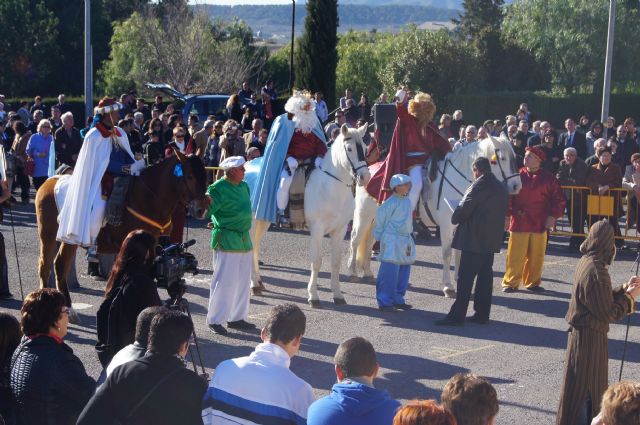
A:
(414, 139)
(294, 137)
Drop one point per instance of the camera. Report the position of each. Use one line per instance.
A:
(171, 263)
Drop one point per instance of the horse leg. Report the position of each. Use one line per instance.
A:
(365, 258)
(336, 262)
(47, 253)
(315, 255)
(446, 236)
(62, 265)
(354, 245)
(259, 228)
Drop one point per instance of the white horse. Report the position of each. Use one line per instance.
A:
(328, 208)
(453, 178)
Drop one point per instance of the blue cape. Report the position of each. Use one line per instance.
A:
(263, 194)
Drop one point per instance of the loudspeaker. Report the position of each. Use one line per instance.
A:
(384, 118)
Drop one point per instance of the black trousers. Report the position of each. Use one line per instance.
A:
(471, 265)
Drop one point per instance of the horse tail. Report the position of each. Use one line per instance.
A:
(363, 248)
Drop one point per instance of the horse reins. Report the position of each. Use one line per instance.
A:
(354, 169)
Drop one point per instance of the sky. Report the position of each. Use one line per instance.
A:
(235, 2)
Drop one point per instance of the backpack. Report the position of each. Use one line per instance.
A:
(108, 320)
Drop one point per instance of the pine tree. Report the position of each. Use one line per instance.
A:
(317, 53)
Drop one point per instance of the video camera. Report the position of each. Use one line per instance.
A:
(171, 262)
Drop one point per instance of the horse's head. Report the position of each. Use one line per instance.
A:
(192, 183)
(354, 148)
(503, 162)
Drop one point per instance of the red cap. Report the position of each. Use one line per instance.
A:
(537, 151)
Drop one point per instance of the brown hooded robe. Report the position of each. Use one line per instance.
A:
(594, 304)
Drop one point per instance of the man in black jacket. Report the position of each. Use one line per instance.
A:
(573, 139)
(156, 389)
(67, 141)
(480, 219)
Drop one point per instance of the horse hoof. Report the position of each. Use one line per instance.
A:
(339, 301)
(449, 293)
(257, 291)
(261, 285)
(74, 318)
(315, 303)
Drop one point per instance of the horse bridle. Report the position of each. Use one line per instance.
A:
(505, 178)
(354, 169)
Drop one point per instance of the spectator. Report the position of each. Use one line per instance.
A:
(267, 110)
(142, 107)
(62, 104)
(193, 125)
(247, 118)
(253, 135)
(153, 150)
(382, 98)
(253, 153)
(201, 137)
(256, 107)
(38, 148)
(593, 134)
(155, 126)
(471, 398)
(527, 116)
(594, 305)
(48, 382)
(36, 117)
(351, 113)
(3, 113)
(23, 113)
(157, 389)
(348, 95)
(611, 127)
(394, 228)
(130, 289)
(234, 110)
(170, 109)
(56, 118)
(517, 143)
(338, 121)
(445, 126)
(630, 125)
(135, 139)
(470, 134)
(584, 124)
(631, 182)
(573, 139)
(552, 151)
(269, 90)
(231, 143)
(509, 121)
(593, 160)
(321, 108)
(246, 92)
(67, 141)
(480, 221)
(573, 172)
(532, 212)
(456, 122)
(212, 155)
(538, 137)
(37, 105)
(7, 134)
(138, 348)
(19, 149)
(616, 156)
(10, 335)
(535, 127)
(354, 400)
(139, 120)
(426, 412)
(158, 104)
(260, 388)
(603, 177)
(230, 213)
(523, 126)
(334, 135)
(179, 142)
(365, 108)
(626, 145)
(620, 405)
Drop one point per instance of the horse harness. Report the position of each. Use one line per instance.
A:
(354, 169)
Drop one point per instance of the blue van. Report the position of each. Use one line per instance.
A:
(201, 105)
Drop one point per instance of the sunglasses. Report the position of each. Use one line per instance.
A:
(180, 136)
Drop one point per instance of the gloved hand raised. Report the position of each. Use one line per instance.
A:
(137, 167)
(292, 163)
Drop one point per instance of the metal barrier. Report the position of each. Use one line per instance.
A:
(584, 208)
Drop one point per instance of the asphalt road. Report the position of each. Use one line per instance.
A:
(521, 351)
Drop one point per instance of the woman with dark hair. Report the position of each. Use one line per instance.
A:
(424, 412)
(19, 149)
(365, 108)
(554, 153)
(48, 382)
(155, 126)
(234, 110)
(583, 124)
(130, 289)
(594, 133)
(10, 335)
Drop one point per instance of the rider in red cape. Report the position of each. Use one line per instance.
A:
(414, 139)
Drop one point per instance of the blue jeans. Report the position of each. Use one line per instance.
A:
(392, 283)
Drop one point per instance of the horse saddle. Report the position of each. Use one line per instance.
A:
(296, 194)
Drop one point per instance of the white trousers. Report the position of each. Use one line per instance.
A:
(96, 217)
(415, 174)
(282, 197)
(229, 292)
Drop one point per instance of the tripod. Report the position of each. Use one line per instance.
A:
(626, 336)
(177, 302)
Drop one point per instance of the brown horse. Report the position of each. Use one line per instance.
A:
(151, 199)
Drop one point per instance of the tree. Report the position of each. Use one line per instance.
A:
(571, 36)
(276, 67)
(433, 62)
(317, 56)
(28, 46)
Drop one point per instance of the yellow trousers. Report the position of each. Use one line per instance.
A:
(525, 258)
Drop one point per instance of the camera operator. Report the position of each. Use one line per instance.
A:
(130, 289)
(594, 304)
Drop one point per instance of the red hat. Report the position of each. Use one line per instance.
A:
(537, 151)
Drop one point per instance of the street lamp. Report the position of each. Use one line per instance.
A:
(606, 87)
(293, 24)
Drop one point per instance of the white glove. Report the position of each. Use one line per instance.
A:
(318, 161)
(137, 167)
(400, 95)
(293, 164)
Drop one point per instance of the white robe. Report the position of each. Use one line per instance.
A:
(83, 205)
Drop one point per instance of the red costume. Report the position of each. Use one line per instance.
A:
(407, 139)
(304, 146)
(539, 198)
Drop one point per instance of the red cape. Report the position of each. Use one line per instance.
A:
(406, 138)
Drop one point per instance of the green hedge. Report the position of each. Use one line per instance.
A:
(477, 108)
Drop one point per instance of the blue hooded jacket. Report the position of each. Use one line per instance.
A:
(351, 403)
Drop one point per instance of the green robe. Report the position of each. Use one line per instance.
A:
(230, 214)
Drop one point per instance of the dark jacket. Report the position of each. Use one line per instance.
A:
(177, 400)
(579, 142)
(355, 404)
(480, 216)
(48, 382)
(575, 175)
(67, 146)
